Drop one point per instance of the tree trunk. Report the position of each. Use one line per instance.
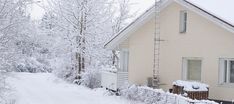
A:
(82, 39)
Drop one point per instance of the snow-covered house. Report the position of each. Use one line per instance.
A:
(198, 44)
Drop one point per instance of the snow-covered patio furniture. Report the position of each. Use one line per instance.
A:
(191, 89)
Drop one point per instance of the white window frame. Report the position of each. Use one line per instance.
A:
(185, 66)
(183, 21)
(222, 70)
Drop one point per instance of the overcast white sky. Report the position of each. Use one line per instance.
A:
(220, 8)
(137, 5)
(140, 5)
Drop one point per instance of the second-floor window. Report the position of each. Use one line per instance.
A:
(183, 21)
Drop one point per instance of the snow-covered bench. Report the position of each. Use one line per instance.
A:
(191, 89)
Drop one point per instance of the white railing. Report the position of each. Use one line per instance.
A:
(113, 80)
(122, 78)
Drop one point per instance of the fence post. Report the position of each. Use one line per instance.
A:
(176, 100)
(166, 99)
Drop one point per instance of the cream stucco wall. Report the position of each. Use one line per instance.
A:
(203, 39)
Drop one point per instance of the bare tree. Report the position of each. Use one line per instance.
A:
(120, 22)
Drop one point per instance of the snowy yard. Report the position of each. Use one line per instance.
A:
(42, 88)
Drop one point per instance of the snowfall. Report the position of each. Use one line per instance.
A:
(45, 88)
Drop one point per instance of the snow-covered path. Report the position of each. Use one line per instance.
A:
(47, 89)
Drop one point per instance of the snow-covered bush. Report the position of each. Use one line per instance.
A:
(63, 68)
(157, 96)
(91, 78)
(33, 65)
(67, 73)
(142, 94)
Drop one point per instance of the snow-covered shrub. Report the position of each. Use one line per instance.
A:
(67, 73)
(91, 78)
(157, 96)
(62, 68)
(142, 94)
(33, 65)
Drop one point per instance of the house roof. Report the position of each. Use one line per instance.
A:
(205, 8)
(220, 8)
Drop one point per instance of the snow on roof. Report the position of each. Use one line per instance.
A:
(220, 8)
(191, 85)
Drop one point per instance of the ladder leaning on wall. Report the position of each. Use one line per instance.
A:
(157, 41)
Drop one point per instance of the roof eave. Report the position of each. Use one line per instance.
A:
(218, 21)
(123, 34)
(113, 43)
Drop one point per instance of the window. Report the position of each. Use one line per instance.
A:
(192, 69)
(124, 55)
(226, 73)
(183, 21)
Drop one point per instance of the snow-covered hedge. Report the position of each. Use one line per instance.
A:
(157, 96)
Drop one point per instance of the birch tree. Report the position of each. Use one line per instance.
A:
(83, 22)
(84, 26)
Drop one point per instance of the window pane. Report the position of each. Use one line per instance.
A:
(194, 70)
(231, 71)
(126, 55)
(225, 71)
(183, 21)
(124, 61)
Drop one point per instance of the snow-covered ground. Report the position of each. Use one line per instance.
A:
(44, 88)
